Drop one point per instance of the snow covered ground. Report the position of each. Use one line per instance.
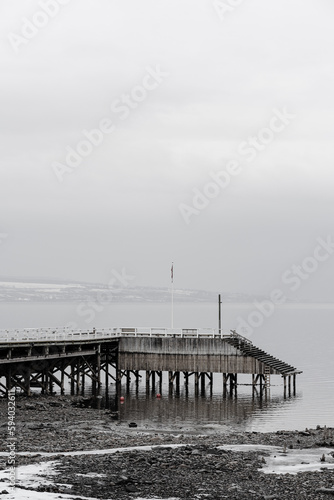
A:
(278, 462)
(289, 461)
(31, 476)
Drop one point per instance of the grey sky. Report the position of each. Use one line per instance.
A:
(120, 207)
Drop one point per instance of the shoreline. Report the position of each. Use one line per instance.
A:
(200, 468)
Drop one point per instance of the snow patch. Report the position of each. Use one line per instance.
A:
(289, 461)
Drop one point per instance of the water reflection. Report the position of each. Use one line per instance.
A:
(183, 408)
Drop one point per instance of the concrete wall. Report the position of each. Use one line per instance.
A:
(184, 354)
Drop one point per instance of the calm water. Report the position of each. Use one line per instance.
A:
(301, 335)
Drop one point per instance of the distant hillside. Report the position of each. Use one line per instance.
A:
(56, 291)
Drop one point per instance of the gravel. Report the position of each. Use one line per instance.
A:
(197, 470)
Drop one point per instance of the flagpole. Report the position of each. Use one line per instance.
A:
(172, 278)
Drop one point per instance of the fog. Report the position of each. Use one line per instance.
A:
(135, 134)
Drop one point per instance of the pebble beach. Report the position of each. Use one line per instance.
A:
(89, 454)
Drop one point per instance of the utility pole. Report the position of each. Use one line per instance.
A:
(172, 280)
(219, 314)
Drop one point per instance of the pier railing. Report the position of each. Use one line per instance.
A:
(77, 335)
(240, 338)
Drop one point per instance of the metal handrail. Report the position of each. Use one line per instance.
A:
(240, 337)
(62, 334)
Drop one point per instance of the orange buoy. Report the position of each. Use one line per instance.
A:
(159, 395)
(121, 398)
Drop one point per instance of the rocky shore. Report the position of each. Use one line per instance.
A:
(198, 469)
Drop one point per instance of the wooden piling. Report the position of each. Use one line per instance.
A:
(202, 377)
(98, 369)
(106, 383)
(118, 379)
(196, 382)
(8, 380)
(284, 386)
(26, 377)
(83, 378)
(160, 382)
(62, 379)
(50, 384)
(78, 377)
(170, 377)
(224, 385)
(72, 379)
(177, 379)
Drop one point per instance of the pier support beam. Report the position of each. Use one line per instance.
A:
(232, 378)
(8, 380)
(62, 379)
(98, 369)
(106, 370)
(26, 376)
(202, 377)
(83, 379)
(284, 387)
(78, 377)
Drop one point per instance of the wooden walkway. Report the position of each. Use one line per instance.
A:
(44, 358)
(65, 334)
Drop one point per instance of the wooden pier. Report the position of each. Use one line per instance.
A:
(48, 358)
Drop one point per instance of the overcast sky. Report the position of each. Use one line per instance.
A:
(216, 150)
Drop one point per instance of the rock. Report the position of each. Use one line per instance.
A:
(234, 487)
(41, 406)
(131, 489)
(65, 490)
(123, 480)
(29, 406)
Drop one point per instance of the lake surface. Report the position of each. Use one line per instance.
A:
(300, 334)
